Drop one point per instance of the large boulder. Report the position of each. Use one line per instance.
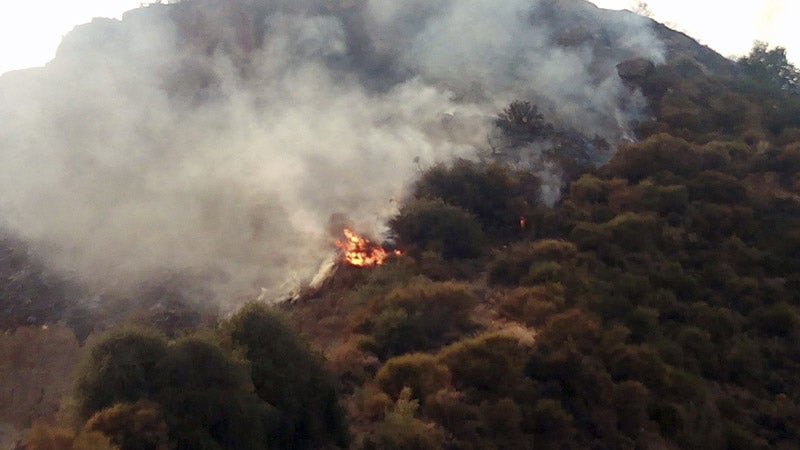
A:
(635, 69)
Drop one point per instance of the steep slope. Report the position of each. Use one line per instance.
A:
(214, 140)
(596, 220)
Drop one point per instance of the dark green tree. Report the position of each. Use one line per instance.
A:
(208, 399)
(434, 226)
(771, 68)
(494, 193)
(522, 122)
(288, 376)
(119, 368)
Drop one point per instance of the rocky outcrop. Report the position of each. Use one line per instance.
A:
(635, 70)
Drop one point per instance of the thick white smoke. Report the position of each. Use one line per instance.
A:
(218, 140)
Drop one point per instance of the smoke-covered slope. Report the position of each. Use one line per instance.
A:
(217, 139)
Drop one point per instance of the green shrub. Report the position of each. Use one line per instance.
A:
(287, 376)
(533, 305)
(207, 399)
(432, 225)
(781, 319)
(635, 232)
(544, 272)
(132, 426)
(588, 189)
(420, 372)
(656, 154)
(532, 262)
(717, 187)
(204, 394)
(551, 422)
(637, 362)
(494, 193)
(401, 430)
(44, 437)
(663, 199)
(421, 316)
(120, 367)
(489, 365)
(590, 236)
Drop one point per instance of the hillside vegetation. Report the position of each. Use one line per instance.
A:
(654, 306)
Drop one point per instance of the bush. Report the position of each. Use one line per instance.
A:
(532, 263)
(422, 316)
(120, 368)
(289, 377)
(588, 189)
(491, 365)
(717, 187)
(495, 194)
(635, 232)
(781, 319)
(207, 399)
(43, 437)
(659, 153)
(787, 162)
(204, 394)
(432, 225)
(400, 430)
(551, 421)
(532, 306)
(630, 403)
(420, 372)
(663, 199)
(576, 326)
(132, 426)
(590, 236)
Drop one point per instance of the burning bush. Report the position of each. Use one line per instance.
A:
(361, 252)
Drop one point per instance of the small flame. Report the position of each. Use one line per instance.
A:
(360, 252)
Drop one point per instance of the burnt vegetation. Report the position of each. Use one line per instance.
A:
(654, 305)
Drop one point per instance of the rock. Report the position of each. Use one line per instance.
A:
(635, 69)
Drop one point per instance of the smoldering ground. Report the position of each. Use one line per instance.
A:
(218, 138)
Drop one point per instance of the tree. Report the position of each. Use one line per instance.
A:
(770, 67)
(208, 400)
(203, 392)
(288, 376)
(522, 122)
(433, 225)
(120, 368)
(494, 193)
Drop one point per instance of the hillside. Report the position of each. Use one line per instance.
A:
(587, 228)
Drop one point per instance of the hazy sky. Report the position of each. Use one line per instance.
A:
(31, 30)
(726, 26)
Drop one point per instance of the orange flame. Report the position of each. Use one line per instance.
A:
(360, 252)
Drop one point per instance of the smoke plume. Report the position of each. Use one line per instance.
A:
(218, 138)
